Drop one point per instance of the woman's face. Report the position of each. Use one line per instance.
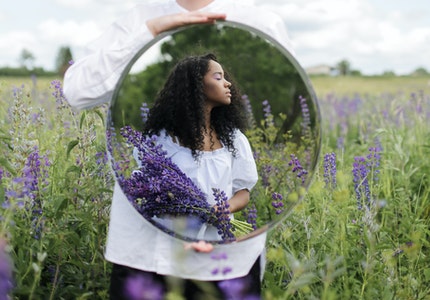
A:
(215, 86)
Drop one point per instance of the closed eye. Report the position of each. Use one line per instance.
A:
(218, 75)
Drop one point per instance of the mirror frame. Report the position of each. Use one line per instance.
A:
(303, 77)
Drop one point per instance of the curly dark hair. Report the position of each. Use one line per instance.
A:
(179, 107)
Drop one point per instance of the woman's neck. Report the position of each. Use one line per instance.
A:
(191, 5)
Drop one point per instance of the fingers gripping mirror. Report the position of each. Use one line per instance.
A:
(281, 123)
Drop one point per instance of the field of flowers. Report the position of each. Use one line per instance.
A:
(361, 232)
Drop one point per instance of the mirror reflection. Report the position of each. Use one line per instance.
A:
(165, 153)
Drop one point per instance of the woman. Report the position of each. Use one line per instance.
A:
(90, 81)
(200, 111)
(197, 117)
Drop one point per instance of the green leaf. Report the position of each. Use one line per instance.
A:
(70, 146)
(73, 169)
(81, 122)
(100, 114)
(4, 163)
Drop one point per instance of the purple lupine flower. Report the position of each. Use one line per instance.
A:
(297, 168)
(374, 161)
(250, 213)
(226, 270)
(29, 186)
(6, 277)
(330, 170)
(222, 214)
(363, 169)
(277, 203)
(236, 288)
(340, 143)
(267, 109)
(142, 286)
(248, 110)
(159, 187)
(267, 171)
(306, 122)
(219, 257)
(144, 112)
(361, 182)
(58, 92)
(35, 178)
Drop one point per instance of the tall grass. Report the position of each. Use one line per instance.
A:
(362, 231)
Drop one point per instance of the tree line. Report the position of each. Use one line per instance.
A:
(27, 65)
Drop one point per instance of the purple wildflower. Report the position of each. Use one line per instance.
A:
(160, 188)
(222, 214)
(277, 203)
(35, 178)
(144, 112)
(220, 257)
(365, 170)
(267, 171)
(143, 287)
(330, 170)
(297, 168)
(226, 270)
(373, 161)
(361, 182)
(6, 278)
(58, 93)
(306, 122)
(268, 117)
(250, 213)
(236, 288)
(248, 110)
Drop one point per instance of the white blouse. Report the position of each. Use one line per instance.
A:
(213, 169)
(132, 241)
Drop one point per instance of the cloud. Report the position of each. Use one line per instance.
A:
(76, 33)
(11, 45)
(371, 37)
(46, 39)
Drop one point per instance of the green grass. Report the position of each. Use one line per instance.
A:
(327, 248)
(375, 85)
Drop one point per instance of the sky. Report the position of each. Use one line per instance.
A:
(374, 36)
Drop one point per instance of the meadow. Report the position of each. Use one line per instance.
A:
(361, 232)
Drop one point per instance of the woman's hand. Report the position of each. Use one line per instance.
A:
(200, 246)
(164, 23)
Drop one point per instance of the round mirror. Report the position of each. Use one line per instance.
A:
(282, 127)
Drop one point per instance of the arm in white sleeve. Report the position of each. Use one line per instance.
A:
(90, 81)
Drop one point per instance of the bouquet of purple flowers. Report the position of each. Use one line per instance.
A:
(159, 188)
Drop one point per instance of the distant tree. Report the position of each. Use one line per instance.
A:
(277, 80)
(343, 67)
(355, 73)
(63, 60)
(26, 59)
(388, 73)
(420, 72)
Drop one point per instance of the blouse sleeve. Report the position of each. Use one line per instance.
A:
(244, 169)
(91, 80)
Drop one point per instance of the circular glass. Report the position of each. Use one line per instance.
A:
(282, 127)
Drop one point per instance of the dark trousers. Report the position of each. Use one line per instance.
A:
(131, 284)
